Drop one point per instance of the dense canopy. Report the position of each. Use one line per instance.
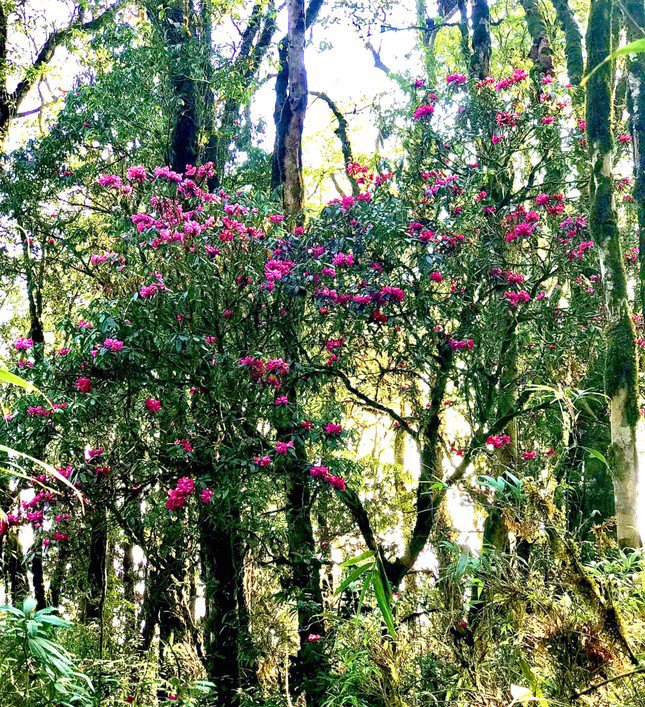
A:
(320, 334)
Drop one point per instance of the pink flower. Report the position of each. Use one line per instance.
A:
(436, 276)
(333, 429)
(423, 111)
(389, 293)
(529, 455)
(113, 344)
(93, 453)
(177, 497)
(624, 138)
(313, 637)
(456, 79)
(498, 441)
(153, 289)
(206, 495)
(84, 385)
(262, 462)
(282, 400)
(110, 181)
(283, 447)
(343, 260)
(185, 444)
(136, 174)
(153, 405)
(23, 344)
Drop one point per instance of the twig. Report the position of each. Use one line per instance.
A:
(620, 676)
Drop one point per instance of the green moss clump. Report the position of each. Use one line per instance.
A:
(621, 366)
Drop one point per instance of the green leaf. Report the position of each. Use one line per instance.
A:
(356, 560)
(47, 467)
(8, 377)
(597, 455)
(383, 601)
(353, 576)
(636, 47)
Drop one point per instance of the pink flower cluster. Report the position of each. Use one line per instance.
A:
(516, 298)
(23, 344)
(423, 111)
(178, 496)
(498, 441)
(322, 473)
(153, 405)
(456, 79)
(265, 373)
(83, 384)
(154, 288)
(113, 344)
(461, 345)
(518, 75)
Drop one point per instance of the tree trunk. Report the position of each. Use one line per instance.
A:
(129, 595)
(481, 53)
(310, 665)
(621, 366)
(541, 53)
(282, 110)
(37, 573)
(222, 558)
(635, 22)
(176, 28)
(572, 40)
(97, 566)
(14, 562)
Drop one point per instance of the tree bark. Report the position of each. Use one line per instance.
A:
(229, 659)
(281, 111)
(97, 565)
(572, 40)
(621, 366)
(260, 29)
(541, 53)
(635, 22)
(482, 48)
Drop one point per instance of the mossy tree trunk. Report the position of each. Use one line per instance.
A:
(572, 40)
(621, 366)
(635, 22)
(482, 47)
(541, 53)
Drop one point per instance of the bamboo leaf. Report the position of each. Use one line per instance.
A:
(8, 377)
(636, 47)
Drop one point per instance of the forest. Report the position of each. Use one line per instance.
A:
(320, 332)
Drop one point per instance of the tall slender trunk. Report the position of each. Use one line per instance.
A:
(16, 571)
(621, 366)
(635, 23)
(282, 109)
(482, 48)
(97, 565)
(129, 593)
(38, 573)
(572, 40)
(228, 654)
(541, 53)
(58, 574)
(177, 28)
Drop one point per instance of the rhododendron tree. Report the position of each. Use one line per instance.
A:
(341, 439)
